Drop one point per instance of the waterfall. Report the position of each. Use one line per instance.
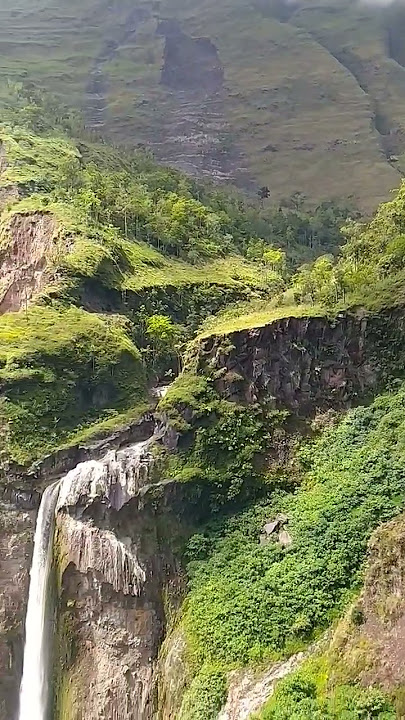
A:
(113, 480)
(34, 684)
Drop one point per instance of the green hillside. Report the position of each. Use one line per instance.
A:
(302, 96)
(109, 263)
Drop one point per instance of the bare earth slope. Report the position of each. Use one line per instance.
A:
(307, 96)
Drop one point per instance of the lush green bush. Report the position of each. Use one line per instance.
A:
(306, 695)
(250, 601)
(228, 440)
(205, 696)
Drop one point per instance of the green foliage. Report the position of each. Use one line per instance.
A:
(164, 339)
(228, 440)
(60, 368)
(35, 163)
(250, 601)
(188, 391)
(318, 282)
(161, 331)
(307, 695)
(373, 256)
(205, 696)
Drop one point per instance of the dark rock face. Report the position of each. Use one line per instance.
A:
(305, 363)
(16, 534)
(190, 63)
(116, 588)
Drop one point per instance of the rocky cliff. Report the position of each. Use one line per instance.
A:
(16, 534)
(306, 363)
(120, 584)
(120, 580)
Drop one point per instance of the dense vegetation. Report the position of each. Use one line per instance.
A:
(134, 239)
(251, 602)
(305, 695)
(372, 256)
(140, 256)
(367, 270)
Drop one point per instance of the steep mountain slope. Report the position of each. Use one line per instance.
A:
(79, 283)
(303, 96)
(247, 528)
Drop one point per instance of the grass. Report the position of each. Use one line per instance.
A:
(60, 370)
(32, 159)
(224, 323)
(290, 107)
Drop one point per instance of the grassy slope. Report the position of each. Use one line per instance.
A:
(62, 370)
(287, 91)
(32, 159)
(66, 373)
(284, 86)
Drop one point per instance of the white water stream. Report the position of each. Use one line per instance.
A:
(114, 479)
(34, 690)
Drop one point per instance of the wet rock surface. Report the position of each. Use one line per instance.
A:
(116, 588)
(16, 536)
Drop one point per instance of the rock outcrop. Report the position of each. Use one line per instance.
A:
(368, 646)
(118, 579)
(24, 261)
(308, 362)
(16, 536)
(249, 690)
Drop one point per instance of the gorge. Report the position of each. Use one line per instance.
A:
(202, 436)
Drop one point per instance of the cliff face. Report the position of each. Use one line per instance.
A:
(368, 645)
(16, 534)
(305, 363)
(120, 527)
(119, 581)
(23, 263)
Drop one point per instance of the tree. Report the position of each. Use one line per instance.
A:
(320, 281)
(264, 194)
(165, 338)
(274, 258)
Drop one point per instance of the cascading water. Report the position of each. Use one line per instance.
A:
(114, 480)
(34, 686)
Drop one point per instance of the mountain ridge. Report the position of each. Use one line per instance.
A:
(310, 98)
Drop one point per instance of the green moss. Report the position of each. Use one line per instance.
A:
(35, 162)
(222, 449)
(60, 368)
